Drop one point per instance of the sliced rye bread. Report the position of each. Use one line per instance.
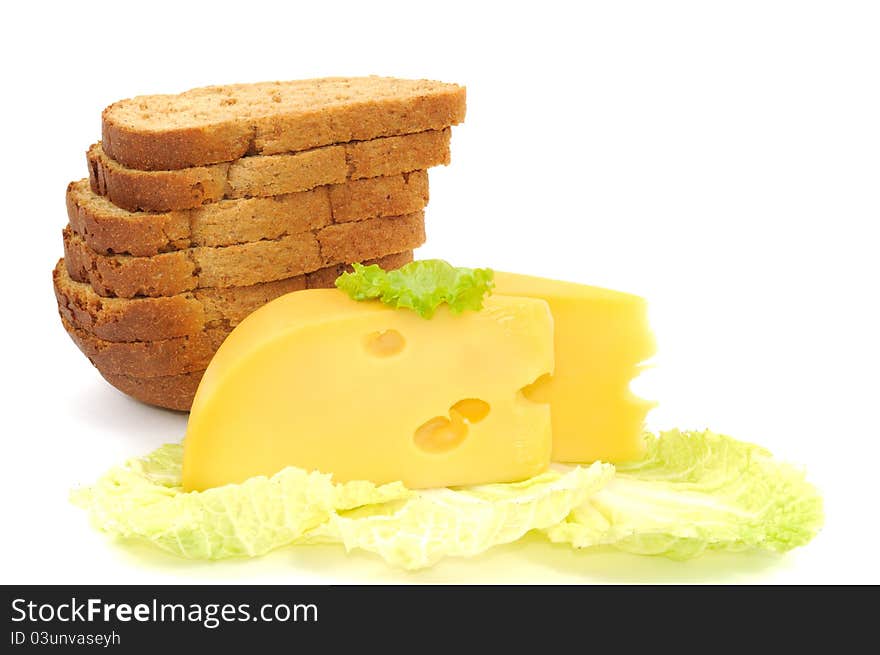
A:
(178, 271)
(264, 175)
(108, 229)
(157, 357)
(222, 123)
(168, 391)
(148, 359)
(177, 391)
(150, 319)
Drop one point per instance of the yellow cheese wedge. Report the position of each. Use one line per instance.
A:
(365, 392)
(601, 338)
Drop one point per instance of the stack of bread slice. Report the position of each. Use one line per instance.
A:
(203, 206)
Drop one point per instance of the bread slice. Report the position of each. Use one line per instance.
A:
(221, 123)
(362, 240)
(372, 197)
(132, 365)
(168, 391)
(264, 175)
(156, 357)
(108, 229)
(178, 271)
(149, 359)
(150, 319)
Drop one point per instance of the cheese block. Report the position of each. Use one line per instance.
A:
(365, 392)
(601, 338)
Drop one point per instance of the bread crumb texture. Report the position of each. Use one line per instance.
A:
(263, 175)
(122, 337)
(217, 124)
(108, 229)
(201, 207)
(178, 271)
(164, 317)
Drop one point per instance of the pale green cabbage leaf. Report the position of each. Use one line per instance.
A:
(696, 492)
(693, 491)
(464, 522)
(143, 500)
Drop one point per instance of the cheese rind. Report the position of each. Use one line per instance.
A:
(365, 392)
(601, 339)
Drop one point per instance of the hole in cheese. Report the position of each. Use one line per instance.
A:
(385, 344)
(357, 416)
(440, 435)
(539, 390)
(472, 410)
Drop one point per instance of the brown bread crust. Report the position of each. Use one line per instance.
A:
(150, 319)
(108, 229)
(355, 242)
(223, 123)
(148, 359)
(264, 175)
(119, 319)
(325, 278)
(177, 391)
(169, 391)
(374, 197)
(179, 271)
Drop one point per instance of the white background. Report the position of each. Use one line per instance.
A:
(721, 158)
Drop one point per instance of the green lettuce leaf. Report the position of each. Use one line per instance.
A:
(143, 500)
(692, 492)
(696, 492)
(421, 286)
(464, 522)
